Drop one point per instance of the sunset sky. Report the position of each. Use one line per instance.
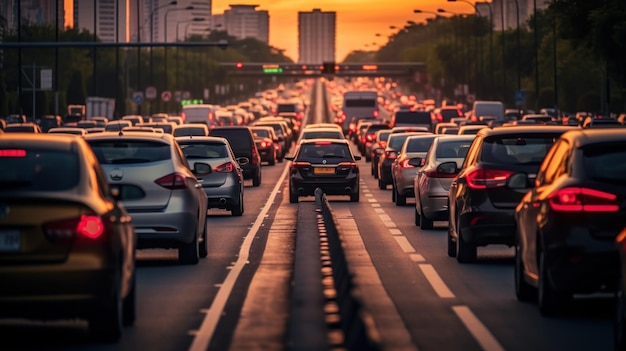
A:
(358, 21)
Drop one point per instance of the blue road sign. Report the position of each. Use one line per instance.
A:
(138, 97)
(520, 97)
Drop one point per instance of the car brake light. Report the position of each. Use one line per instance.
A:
(255, 156)
(583, 200)
(375, 113)
(370, 137)
(172, 181)
(265, 144)
(323, 143)
(225, 167)
(183, 115)
(390, 154)
(13, 153)
(91, 227)
(405, 163)
(354, 167)
(481, 178)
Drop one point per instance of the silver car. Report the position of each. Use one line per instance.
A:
(224, 185)
(404, 168)
(433, 182)
(158, 189)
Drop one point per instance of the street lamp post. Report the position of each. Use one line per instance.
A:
(165, 37)
(171, 3)
(196, 19)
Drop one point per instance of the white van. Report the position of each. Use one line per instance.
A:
(487, 109)
(358, 104)
(200, 113)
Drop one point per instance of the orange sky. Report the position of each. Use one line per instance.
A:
(358, 21)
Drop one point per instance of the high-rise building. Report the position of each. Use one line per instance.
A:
(112, 19)
(32, 12)
(316, 36)
(508, 11)
(245, 21)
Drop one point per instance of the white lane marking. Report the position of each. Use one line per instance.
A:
(389, 224)
(205, 332)
(435, 281)
(375, 205)
(379, 210)
(395, 231)
(486, 340)
(417, 258)
(365, 190)
(368, 195)
(404, 243)
(384, 218)
(372, 200)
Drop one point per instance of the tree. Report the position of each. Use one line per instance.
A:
(76, 93)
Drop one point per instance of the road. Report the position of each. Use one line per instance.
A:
(419, 298)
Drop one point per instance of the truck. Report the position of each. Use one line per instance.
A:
(100, 107)
(75, 113)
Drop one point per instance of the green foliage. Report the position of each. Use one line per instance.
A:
(76, 93)
(590, 101)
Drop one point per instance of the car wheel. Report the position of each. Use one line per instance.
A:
(523, 291)
(465, 253)
(203, 245)
(293, 198)
(417, 217)
(256, 181)
(372, 169)
(425, 223)
(105, 324)
(354, 197)
(237, 209)
(375, 171)
(619, 325)
(272, 162)
(129, 307)
(400, 199)
(188, 253)
(393, 193)
(451, 244)
(381, 185)
(549, 300)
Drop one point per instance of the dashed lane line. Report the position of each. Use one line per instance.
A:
(484, 337)
(435, 281)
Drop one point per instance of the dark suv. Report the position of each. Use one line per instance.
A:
(242, 142)
(481, 206)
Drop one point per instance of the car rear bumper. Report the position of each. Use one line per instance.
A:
(486, 228)
(335, 187)
(435, 206)
(164, 230)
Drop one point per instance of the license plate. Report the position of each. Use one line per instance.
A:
(10, 241)
(324, 170)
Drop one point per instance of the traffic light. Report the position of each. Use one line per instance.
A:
(328, 68)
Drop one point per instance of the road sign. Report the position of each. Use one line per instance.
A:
(178, 95)
(166, 95)
(186, 95)
(138, 97)
(151, 93)
(520, 98)
(470, 98)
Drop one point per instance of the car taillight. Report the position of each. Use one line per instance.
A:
(583, 200)
(390, 154)
(225, 168)
(264, 144)
(434, 174)
(172, 181)
(375, 113)
(183, 115)
(299, 116)
(405, 163)
(91, 227)
(299, 165)
(370, 137)
(353, 166)
(480, 178)
(382, 144)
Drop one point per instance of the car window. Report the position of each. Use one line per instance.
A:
(511, 149)
(452, 149)
(329, 152)
(239, 139)
(263, 133)
(396, 141)
(412, 117)
(419, 144)
(129, 151)
(208, 150)
(555, 167)
(605, 162)
(38, 169)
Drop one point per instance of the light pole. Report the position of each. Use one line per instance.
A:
(196, 19)
(518, 53)
(171, 3)
(165, 35)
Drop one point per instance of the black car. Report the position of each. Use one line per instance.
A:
(568, 221)
(327, 164)
(481, 206)
(242, 142)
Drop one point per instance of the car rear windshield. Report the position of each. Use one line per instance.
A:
(452, 149)
(512, 149)
(329, 152)
(606, 162)
(204, 150)
(286, 108)
(130, 151)
(189, 131)
(447, 115)
(318, 135)
(263, 133)
(412, 117)
(360, 103)
(419, 144)
(38, 169)
(395, 142)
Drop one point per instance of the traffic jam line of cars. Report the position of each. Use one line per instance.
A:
(76, 204)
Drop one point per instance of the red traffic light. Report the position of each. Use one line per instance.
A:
(239, 64)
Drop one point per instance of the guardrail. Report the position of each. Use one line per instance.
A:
(359, 331)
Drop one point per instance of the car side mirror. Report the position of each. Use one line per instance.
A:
(448, 168)
(357, 157)
(201, 168)
(519, 181)
(417, 162)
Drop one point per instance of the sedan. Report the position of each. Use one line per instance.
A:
(67, 246)
(224, 185)
(404, 169)
(158, 189)
(327, 164)
(568, 222)
(433, 180)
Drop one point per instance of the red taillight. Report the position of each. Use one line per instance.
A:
(183, 115)
(299, 116)
(370, 137)
(434, 174)
(265, 144)
(583, 200)
(405, 164)
(91, 227)
(375, 113)
(255, 156)
(382, 144)
(172, 181)
(13, 153)
(480, 178)
(353, 166)
(293, 168)
(225, 168)
(391, 154)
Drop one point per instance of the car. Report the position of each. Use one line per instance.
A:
(139, 128)
(322, 125)
(178, 120)
(28, 127)
(446, 113)
(224, 185)
(158, 189)
(404, 168)
(117, 125)
(481, 207)
(439, 128)
(16, 118)
(134, 119)
(394, 143)
(191, 129)
(268, 132)
(368, 136)
(86, 124)
(327, 164)
(569, 219)
(323, 133)
(470, 129)
(101, 121)
(50, 121)
(432, 182)
(357, 104)
(378, 148)
(159, 117)
(241, 140)
(281, 130)
(595, 122)
(266, 143)
(200, 113)
(167, 127)
(68, 130)
(423, 119)
(539, 118)
(67, 245)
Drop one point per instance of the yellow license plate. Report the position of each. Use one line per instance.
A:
(324, 170)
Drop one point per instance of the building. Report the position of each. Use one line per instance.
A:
(244, 21)
(32, 12)
(112, 19)
(316, 36)
(507, 12)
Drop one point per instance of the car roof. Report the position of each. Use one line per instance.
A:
(201, 139)
(581, 137)
(539, 128)
(324, 140)
(130, 135)
(49, 141)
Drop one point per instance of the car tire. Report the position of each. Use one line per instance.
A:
(354, 197)
(237, 210)
(203, 244)
(619, 325)
(256, 180)
(188, 253)
(425, 223)
(550, 301)
(129, 307)
(393, 193)
(451, 244)
(375, 170)
(465, 252)
(400, 199)
(272, 162)
(293, 198)
(416, 217)
(105, 324)
(381, 185)
(523, 291)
